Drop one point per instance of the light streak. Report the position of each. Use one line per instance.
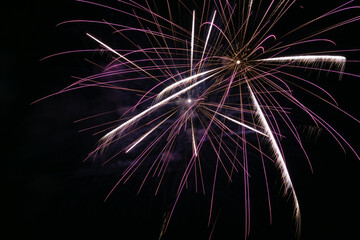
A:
(308, 59)
(192, 44)
(147, 134)
(339, 61)
(185, 80)
(109, 135)
(278, 155)
(120, 55)
(193, 139)
(207, 37)
(240, 123)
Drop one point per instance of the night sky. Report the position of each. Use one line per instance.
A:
(48, 191)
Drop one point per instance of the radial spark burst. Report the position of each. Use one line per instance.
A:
(213, 75)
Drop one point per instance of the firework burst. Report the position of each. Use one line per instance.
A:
(214, 76)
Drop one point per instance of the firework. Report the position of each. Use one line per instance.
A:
(218, 79)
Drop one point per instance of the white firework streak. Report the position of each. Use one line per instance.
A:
(185, 80)
(207, 38)
(147, 134)
(193, 139)
(278, 155)
(118, 54)
(310, 59)
(240, 123)
(112, 133)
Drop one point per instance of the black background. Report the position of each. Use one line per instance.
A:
(47, 191)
